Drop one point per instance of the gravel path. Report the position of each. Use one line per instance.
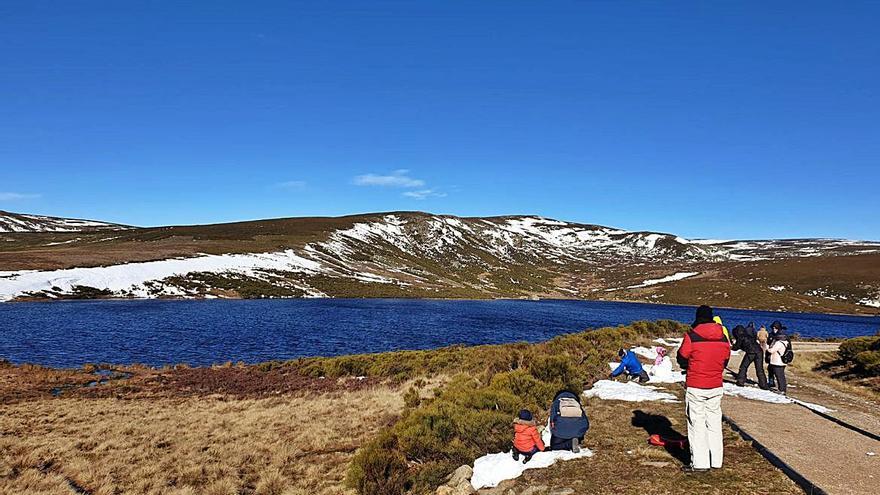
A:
(831, 456)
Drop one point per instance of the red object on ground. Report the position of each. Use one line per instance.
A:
(664, 442)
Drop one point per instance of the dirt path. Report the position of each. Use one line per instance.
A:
(831, 456)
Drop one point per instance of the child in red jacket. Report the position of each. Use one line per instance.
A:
(526, 439)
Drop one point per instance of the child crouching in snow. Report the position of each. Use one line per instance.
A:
(526, 439)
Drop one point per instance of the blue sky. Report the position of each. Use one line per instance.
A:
(706, 119)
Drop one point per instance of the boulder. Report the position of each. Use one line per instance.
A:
(463, 472)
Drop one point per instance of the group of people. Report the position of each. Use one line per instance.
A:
(760, 345)
(703, 356)
(568, 425)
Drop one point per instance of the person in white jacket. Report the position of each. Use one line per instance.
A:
(777, 366)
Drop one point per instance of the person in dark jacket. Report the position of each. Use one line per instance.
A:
(630, 364)
(746, 340)
(704, 352)
(777, 332)
(567, 427)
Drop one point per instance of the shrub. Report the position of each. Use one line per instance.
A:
(869, 362)
(379, 469)
(851, 347)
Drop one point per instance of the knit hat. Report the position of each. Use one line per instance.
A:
(778, 325)
(704, 315)
(525, 415)
(621, 352)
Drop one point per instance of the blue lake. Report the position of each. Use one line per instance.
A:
(155, 332)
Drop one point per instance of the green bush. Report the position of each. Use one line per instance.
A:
(869, 362)
(851, 347)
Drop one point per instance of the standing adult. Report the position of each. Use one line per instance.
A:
(776, 365)
(747, 341)
(704, 353)
(777, 329)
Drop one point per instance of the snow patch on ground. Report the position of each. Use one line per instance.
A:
(663, 373)
(647, 352)
(628, 391)
(874, 303)
(669, 278)
(815, 407)
(492, 469)
(770, 396)
(755, 394)
(669, 342)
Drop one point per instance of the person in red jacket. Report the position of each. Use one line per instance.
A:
(526, 439)
(704, 353)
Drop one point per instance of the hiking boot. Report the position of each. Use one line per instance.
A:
(526, 459)
(575, 447)
(693, 470)
(515, 455)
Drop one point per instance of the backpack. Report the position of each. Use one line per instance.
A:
(569, 408)
(788, 355)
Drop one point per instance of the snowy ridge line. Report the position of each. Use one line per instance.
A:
(381, 249)
(14, 222)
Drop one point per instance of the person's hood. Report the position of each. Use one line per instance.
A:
(709, 331)
(521, 425)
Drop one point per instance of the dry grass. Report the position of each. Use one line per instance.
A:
(623, 462)
(213, 445)
(824, 368)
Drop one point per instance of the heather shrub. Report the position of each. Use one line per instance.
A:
(851, 347)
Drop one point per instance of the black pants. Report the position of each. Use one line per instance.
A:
(558, 443)
(778, 373)
(748, 359)
(527, 455)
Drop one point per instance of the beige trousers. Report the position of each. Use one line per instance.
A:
(704, 427)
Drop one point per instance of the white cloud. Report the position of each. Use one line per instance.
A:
(14, 196)
(292, 185)
(397, 178)
(424, 194)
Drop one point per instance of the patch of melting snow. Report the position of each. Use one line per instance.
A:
(815, 407)
(492, 469)
(133, 277)
(669, 342)
(755, 394)
(669, 278)
(628, 391)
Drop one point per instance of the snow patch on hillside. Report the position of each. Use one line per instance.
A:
(670, 278)
(10, 222)
(131, 279)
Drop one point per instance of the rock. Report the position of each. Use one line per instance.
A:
(463, 472)
(444, 490)
(464, 488)
(535, 490)
(562, 491)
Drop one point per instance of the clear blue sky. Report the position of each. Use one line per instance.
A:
(706, 119)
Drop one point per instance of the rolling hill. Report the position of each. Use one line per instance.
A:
(415, 254)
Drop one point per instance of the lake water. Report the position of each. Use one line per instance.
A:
(155, 332)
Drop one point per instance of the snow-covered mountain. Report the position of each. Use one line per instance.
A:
(17, 222)
(411, 254)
